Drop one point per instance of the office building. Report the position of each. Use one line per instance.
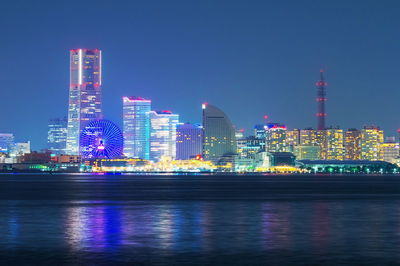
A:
(85, 102)
(275, 140)
(292, 139)
(307, 152)
(334, 146)
(6, 142)
(57, 135)
(371, 139)
(219, 140)
(136, 127)
(189, 141)
(308, 137)
(163, 134)
(390, 150)
(352, 144)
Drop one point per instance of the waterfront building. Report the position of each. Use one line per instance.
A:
(282, 158)
(334, 146)
(6, 142)
(219, 141)
(292, 139)
(353, 144)
(85, 102)
(308, 137)
(189, 141)
(240, 141)
(303, 152)
(250, 146)
(136, 127)
(260, 131)
(371, 139)
(57, 135)
(163, 134)
(390, 151)
(275, 140)
(20, 148)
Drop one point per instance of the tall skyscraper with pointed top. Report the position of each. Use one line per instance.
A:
(84, 94)
(321, 99)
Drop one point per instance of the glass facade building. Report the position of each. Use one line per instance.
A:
(163, 134)
(219, 138)
(189, 141)
(136, 124)
(57, 135)
(84, 94)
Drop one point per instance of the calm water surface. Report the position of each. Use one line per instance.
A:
(199, 219)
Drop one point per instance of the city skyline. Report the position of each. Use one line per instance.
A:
(277, 72)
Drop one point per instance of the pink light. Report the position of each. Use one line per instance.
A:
(266, 117)
(101, 147)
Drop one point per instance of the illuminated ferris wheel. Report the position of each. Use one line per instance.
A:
(101, 139)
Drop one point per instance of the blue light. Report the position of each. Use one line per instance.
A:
(101, 139)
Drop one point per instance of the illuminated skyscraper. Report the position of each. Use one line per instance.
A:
(371, 140)
(353, 144)
(334, 147)
(292, 139)
(390, 150)
(275, 140)
(136, 115)
(84, 94)
(189, 141)
(219, 134)
(57, 135)
(308, 137)
(163, 134)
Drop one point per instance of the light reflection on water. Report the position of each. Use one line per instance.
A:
(176, 227)
(367, 230)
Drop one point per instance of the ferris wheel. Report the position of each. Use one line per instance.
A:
(101, 139)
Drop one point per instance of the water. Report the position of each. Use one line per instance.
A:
(199, 219)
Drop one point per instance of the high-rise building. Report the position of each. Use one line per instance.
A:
(136, 116)
(292, 139)
(390, 150)
(189, 141)
(219, 139)
(371, 139)
(84, 94)
(321, 99)
(6, 142)
(57, 135)
(275, 140)
(308, 137)
(352, 144)
(163, 134)
(260, 131)
(334, 147)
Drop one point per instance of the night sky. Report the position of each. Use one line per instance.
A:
(249, 58)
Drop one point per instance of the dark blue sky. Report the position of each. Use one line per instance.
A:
(250, 58)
